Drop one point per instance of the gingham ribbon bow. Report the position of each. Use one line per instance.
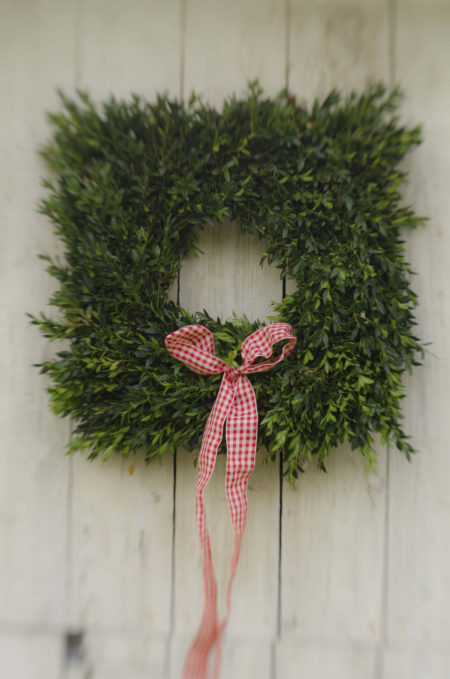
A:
(236, 404)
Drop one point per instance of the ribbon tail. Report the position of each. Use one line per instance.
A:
(241, 435)
(196, 664)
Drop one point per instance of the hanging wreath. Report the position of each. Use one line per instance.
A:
(132, 182)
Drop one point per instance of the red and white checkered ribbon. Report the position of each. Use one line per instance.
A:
(235, 404)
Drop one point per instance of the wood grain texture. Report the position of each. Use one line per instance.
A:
(332, 558)
(230, 43)
(121, 525)
(219, 60)
(118, 655)
(409, 662)
(121, 533)
(132, 48)
(333, 529)
(227, 278)
(36, 54)
(419, 525)
(31, 656)
(242, 656)
(325, 661)
(336, 44)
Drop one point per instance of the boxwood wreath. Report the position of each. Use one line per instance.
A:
(132, 181)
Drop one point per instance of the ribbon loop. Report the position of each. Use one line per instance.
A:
(261, 342)
(193, 345)
(235, 405)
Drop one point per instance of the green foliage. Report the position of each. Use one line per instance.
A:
(134, 179)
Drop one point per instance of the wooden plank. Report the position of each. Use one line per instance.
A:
(118, 654)
(333, 525)
(228, 44)
(130, 49)
(122, 525)
(242, 656)
(122, 528)
(36, 55)
(34, 656)
(227, 277)
(419, 526)
(332, 552)
(340, 44)
(411, 663)
(324, 661)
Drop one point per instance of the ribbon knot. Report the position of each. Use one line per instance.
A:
(235, 372)
(235, 405)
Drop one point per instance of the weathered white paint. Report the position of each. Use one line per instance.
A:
(336, 44)
(324, 660)
(418, 612)
(229, 43)
(36, 54)
(363, 587)
(332, 562)
(134, 48)
(34, 655)
(121, 525)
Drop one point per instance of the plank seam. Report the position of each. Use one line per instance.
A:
(392, 39)
(68, 619)
(382, 645)
(167, 669)
(172, 572)
(273, 655)
(78, 63)
(182, 45)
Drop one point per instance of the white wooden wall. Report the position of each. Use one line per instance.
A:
(100, 570)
